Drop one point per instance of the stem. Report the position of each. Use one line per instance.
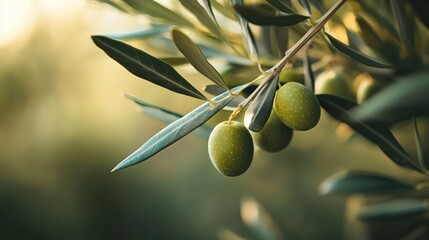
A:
(274, 71)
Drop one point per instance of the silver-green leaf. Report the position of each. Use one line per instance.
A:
(259, 16)
(394, 209)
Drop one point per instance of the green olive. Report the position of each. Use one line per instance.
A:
(274, 136)
(297, 107)
(288, 75)
(333, 82)
(231, 148)
(366, 89)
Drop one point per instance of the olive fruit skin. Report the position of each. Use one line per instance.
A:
(288, 75)
(274, 136)
(333, 82)
(297, 107)
(231, 148)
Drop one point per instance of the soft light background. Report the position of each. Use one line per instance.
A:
(64, 125)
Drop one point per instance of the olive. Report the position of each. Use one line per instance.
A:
(288, 75)
(274, 136)
(231, 148)
(297, 107)
(333, 82)
(366, 89)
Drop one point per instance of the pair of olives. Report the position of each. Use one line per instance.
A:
(230, 144)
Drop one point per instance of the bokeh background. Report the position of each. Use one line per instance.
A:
(64, 124)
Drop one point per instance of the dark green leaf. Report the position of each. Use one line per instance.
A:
(194, 55)
(359, 182)
(174, 61)
(280, 5)
(402, 100)
(308, 72)
(419, 233)
(257, 15)
(282, 38)
(394, 209)
(156, 10)
(168, 116)
(423, 160)
(176, 130)
(259, 110)
(403, 23)
(360, 57)
(420, 8)
(146, 33)
(374, 131)
(306, 5)
(247, 32)
(146, 66)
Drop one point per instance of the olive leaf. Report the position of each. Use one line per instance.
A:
(146, 66)
(168, 116)
(156, 10)
(360, 57)
(225, 9)
(361, 182)
(259, 111)
(280, 5)
(216, 90)
(174, 61)
(177, 130)
(194, 55)
(420, 8)
(208, 6)
(400, 101)
(374, 131)
(422, 159)
(247, 32)
(140, 34)
(306, 5)
(394, 209)
(308, 71)
(259, 16)
(403, 23)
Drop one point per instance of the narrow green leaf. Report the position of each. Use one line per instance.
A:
(208, 6)
(420, 8)
(360, 57)
(156, 10)
(360, 182)
(176, 130)
(280, 5)
(259, 110)
(374, 131)
(306, 5)
(402, 100)
(403, 23)
(251, 46)
(394, 209)
(225, 9)
(423, 160)
(419, 233)
(168, 116)
(174, 61)
(308, 71)
(146, 66)
(194, 55)
(200, 13)
(282, 38)
(257, 15)
(140, 34)
(216, 90)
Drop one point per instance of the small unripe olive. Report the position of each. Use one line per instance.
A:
(288, 75)
(366, 89)
(274, 136)
(297, 107)
(333, 82)
(231, 148)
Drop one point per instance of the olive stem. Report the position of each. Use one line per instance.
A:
(289, 54)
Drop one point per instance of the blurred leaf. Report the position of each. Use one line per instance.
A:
(306, 5)
(280, 5)
(214, 89)
(247, 32)
(308, 72)
(360, 57)
(259, 110)
(176, 130)
(374, 131)
(146, 33)
(402, 100)
(195, 8)
(168, 116)
(394, 209)
(194, 55)
(404, 24)
(282, 38)
(209, 51)
(420, 233)
(156, 10)
(423, 160)
(208, 6)
(359, 182)
(174, 61)
(259, 16)
(225, 10)
(420, 8)
(146, 66)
